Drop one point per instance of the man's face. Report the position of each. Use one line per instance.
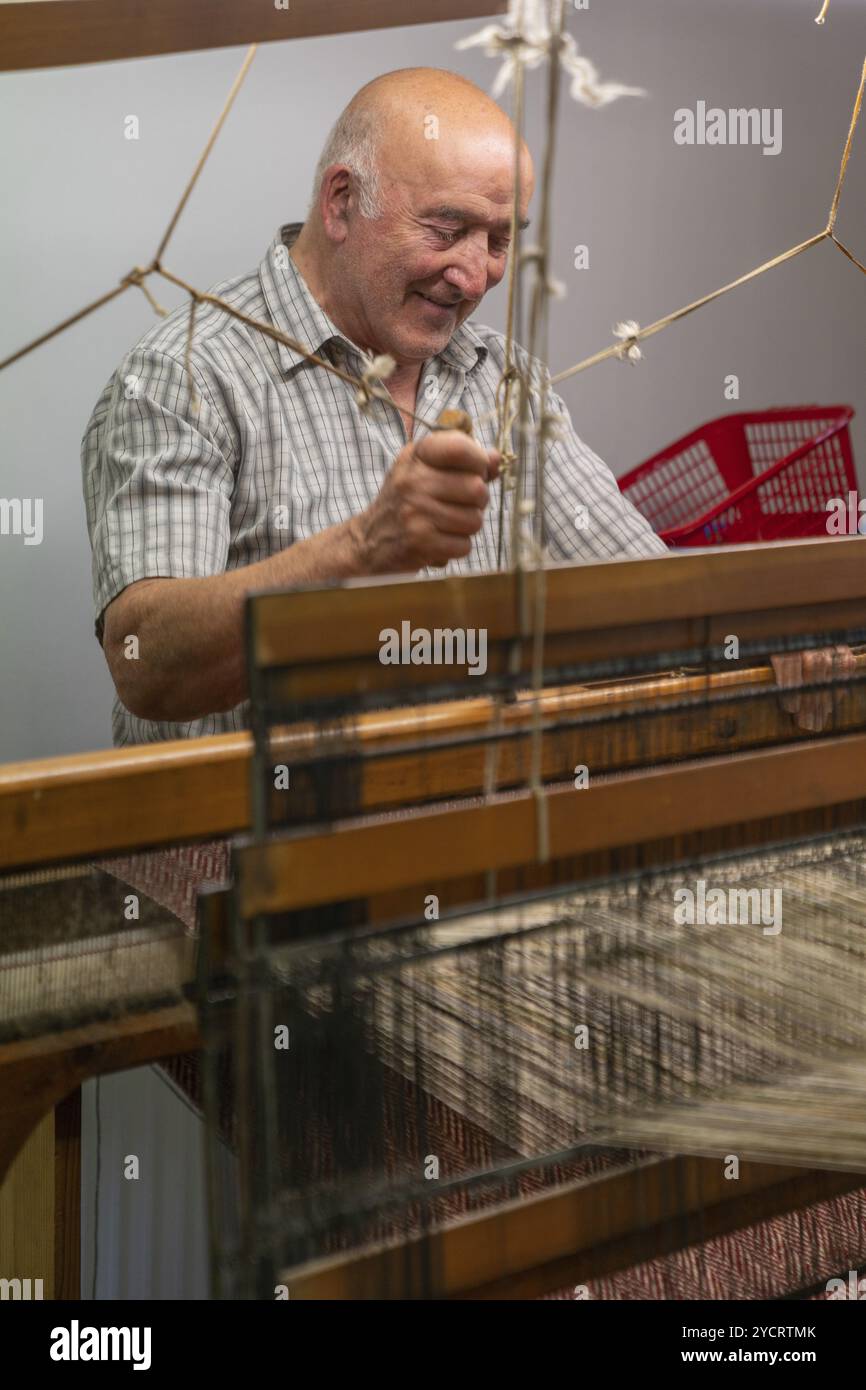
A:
(442, 242)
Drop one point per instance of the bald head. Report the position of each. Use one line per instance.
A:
(378, 134)
(411, 220)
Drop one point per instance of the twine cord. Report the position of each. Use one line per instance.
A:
(845, 252)
(616, 349)
(211, 141)
(506, 414)
(518, 50)
(846, 153)
(539, 258)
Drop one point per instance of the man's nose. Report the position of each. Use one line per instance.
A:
(468, 271)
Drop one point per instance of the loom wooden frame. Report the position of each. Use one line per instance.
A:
(307, 869)
(93, 804)
(76, 806)
(52, 33)
(572, 1234)
(142, 797)
(531, 1247)
(590, 613)
(535, 1246)
(56, 809)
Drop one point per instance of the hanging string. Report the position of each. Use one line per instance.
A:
(507, 416)
(366, 387)
(846, 252)
(67, 323)
(211, 141)
(846, 153)
(366, 390)
(536, 347)
(616, 349)
(138, 275)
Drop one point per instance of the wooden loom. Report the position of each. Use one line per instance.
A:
(718, 760)
(656, 801)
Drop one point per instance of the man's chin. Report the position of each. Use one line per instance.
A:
(415, 342)
(428, 323)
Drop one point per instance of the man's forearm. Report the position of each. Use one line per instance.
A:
(189, 657)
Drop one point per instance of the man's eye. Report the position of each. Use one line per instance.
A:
(446, 236)
(500, 248)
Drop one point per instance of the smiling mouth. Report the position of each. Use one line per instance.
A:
(436, 303)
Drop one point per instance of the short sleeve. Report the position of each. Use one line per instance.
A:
(158, 477)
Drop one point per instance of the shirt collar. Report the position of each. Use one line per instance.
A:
(296, 312)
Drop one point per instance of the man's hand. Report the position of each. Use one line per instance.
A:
(429, 507)
(812, 708)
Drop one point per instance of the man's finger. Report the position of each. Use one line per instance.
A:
(453, 520)
(457, 489)
(452, 450)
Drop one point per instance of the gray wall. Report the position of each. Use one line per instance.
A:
(664, 224)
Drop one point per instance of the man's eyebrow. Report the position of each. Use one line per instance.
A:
(450, 214)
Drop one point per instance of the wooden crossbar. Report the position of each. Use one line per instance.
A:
(320, 643)
(95, 804)
(430, 847)
(57, 33)
(568, 1235)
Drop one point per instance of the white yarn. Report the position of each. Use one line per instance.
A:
(527, 38)
(628, 331)
(376, 370)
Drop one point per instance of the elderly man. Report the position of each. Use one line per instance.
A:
(274, 477)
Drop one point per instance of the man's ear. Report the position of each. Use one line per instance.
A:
(335, 198)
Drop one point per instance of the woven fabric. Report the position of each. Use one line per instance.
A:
(784, 1254)
(787, 1254)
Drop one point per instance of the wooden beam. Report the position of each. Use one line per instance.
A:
(434, 846)
(27, 1205)
(40, 1072)
(300, 625)
(93, 804)
(57, 33)
(318, 643)
(67, 1197)
(533, 1246)
(90, 804)
(40, 1206)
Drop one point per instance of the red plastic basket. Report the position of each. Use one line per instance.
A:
(759, 476)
